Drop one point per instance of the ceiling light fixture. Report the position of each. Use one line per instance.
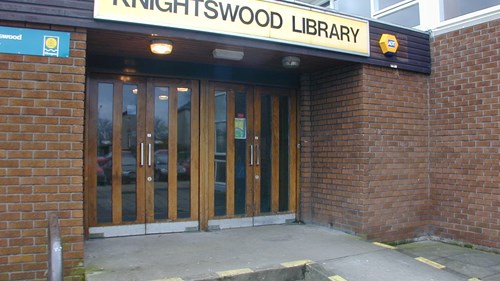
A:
(182, 89)
(290, 62)
(161, 46)
(228, 54)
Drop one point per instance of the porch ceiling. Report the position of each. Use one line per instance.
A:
(189, 49)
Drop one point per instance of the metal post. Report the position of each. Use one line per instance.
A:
(55, 250)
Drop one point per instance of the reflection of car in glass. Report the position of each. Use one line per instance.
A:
(185, 161)
(102, 160)
(161, 166)
(101, 177)
(128, 168)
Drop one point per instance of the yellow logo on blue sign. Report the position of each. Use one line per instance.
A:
(389, 44)
(51, 46)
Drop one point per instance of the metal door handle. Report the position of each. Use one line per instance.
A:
(257, 151)
(142, 154)
(251, 155)
(150, 154)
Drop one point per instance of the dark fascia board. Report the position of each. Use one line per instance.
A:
(107, 64)
(64, 13)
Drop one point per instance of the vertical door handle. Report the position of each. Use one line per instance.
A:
(150, 154)
(257, 152)
(251, 155)
(142, 154)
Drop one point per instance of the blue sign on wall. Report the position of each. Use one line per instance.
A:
(24, 41)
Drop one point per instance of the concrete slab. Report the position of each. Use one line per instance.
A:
(430, 249)
(194, 256)
(466, 261)
(387, 265)
(495, 277)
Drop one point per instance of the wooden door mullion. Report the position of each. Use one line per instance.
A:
(256, 139)
(150, 107)
(195, 152)
(275, 144)
(211, 151)
(230, 152)
(117, 154)
(91, 144)
(142, 119)
(204, 154)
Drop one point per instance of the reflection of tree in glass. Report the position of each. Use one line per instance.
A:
(104, 130)
(161, 129)
(220, 137)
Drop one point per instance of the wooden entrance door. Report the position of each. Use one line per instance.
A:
(142, 155)
(252, 152)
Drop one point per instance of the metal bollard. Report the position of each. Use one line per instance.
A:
(55, 250)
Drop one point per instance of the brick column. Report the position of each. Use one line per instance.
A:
(41, 157)
(365, 150)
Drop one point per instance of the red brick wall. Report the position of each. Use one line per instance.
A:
(364, 151)
(41, 157)
(396, 130)
(333, 151)
(465, 135)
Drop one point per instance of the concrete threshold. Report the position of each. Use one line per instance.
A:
(275, 253)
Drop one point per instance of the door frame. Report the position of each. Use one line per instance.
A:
(145, 222)
(200, 138)
(253, 216)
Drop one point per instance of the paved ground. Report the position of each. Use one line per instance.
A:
(192, 255)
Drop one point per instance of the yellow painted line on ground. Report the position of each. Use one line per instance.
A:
(384, 245)
(170, 279)
(296, 263)
(234, 272)
(431, 263)
(337, 278)
(474, 279)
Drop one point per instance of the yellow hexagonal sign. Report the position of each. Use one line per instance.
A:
(389, 44)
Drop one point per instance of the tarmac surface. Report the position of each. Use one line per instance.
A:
(236, 252)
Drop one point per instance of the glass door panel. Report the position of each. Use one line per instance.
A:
(142, 145)
(251, 146)
(126, 174)
(240, 153)
(160, 148)
(220, 148)
(275, 147)
(184, 127)
(104, 152)
(172, 194)
(265, 153)
(274, 130)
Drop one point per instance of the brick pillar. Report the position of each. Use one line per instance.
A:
(332, 154)
(41, 157)
(365, 150)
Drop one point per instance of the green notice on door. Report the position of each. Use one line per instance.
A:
(35, 42)
(240, 128)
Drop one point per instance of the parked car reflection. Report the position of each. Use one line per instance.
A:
(161, 166)
(129, 174)
(101, 177)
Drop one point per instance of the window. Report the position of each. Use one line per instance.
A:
(359, 7)
(382, 4)
(408, 16)
(455, 8)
